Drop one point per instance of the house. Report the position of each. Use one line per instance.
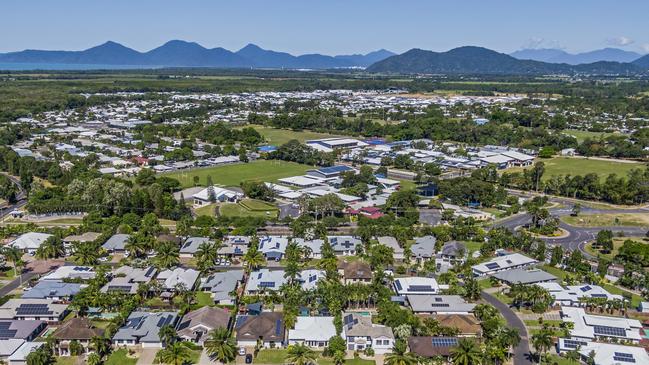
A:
(643, 307)
(453, 251)
(81, 238)
(466, 324)
(417, 286)
(171, 280)
(439, 304)
(196, 325)
(424, 248)
(330, 172)
(605, 353)
(21, 330)
(19, 357)
(428, 347)
(314, 332)
(9, 347)
(267, 328)
(309, 278)
(234, 246)
(522, 276)
(216, 194)
(502, 263)
(273, 247)
(264, 280)
(58, 291)
(331, 144)
(142, 328)
(30, 242)
(499, 160)
(191, 245)
(519, 159)
(222, 285)
(356, 271)
(313, 247)
(574, 295)
(33, 309)
(116, 243)
(592, 327)
(127, 279)
(393, 244)
(71, 273)
(360, 333)
(77, 329)
(344, 245)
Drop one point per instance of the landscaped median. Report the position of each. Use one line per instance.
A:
(278, 356)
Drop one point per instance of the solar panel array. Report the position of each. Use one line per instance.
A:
(267, 284)
(120, 288)
(623, 356)
(492, 265)
(440, 305)
(609, 331)
(278, 327)
(420, 288)
(572, 344)
(33, 309)
(163, 321)
(585, 288)
(5, 332)
(398, 285)
(444, 341)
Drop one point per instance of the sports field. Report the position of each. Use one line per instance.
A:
(582, 166)
(232, 175)
(277, 137)
(582, 135)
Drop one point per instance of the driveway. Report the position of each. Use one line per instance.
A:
(522, 351)
(147, 356)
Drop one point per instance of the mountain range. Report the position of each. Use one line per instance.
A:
(178, 53)
(553, 55)
(478, 60)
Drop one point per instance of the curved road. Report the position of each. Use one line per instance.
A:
(522, 354)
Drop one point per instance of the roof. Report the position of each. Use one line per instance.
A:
(517, 155)
(606, 353)
(313, 329)
(416, 285)
(14, 308)
(355, 324)
(265, 279)
(9, 346)
(222, 283)
(315, 245)
(424, 247)
(19, 329)
(117, 242)
(192, 244)
(355, 269)
(309, 278)
(333, 170)
(466, 323)
(204, 319)
(218, 192)
(178, 276)
(144, 326)
(77, 329)
(503, 262)
(427, 346)
(71, 272)
(268, 325)
(391, 242)
(53, 288)
(25, 349)
(521, 276)
(30, 240)
(439, 304)
(453, 249)
(343, 243)
(85, 237)
(589, 326)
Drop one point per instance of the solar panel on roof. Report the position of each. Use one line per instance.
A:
(624, 357)
(585, 288)
(348, 319)
(443, 341)
(598, 295)
(240, 321)
(278, 327)
(6, 333)
(441, 305)
(267, 284)
(573, 344)
(398, 285)
(420, 288)
(438, 299)
(492, 265)
(609, 331)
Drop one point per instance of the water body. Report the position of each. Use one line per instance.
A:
(69, 67)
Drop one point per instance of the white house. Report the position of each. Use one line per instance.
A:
(591, 327)
(502, 263)
(219, 195)
(314, 332)
(605, 353)
(417, 286)
(30, 242)
(361, 333)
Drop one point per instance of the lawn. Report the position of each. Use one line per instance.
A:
(271, 356)
(248, 208)
(555, 271)
(277, 137)
(66, 360)
(472, 246)
(582, 135)
(617, 243)
(206, 210)
(330, 361)
(582, 166)
(233, 175)
(120, 357)
(608, 220)
(203, 299)
(635, 299)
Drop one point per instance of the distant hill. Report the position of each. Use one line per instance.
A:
(478, 60)
(177, 53)
(559, 56)
(642, 62)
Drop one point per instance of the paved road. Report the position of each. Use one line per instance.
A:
(522, 354)
(5, 290)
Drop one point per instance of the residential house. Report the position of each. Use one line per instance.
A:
(393, 244)
(605, 353)
(439, 304)
(58, 291)
(313, 247)
(466, 324)
(216, 194)
(223, 285)
(191, 245)
(417, 286)
(142, 328)
(273, 247)
(264, 280)
(344, 245)
(429, 347)
(116, 243)
(355, 271)
(196, 325)
(77, 329)
(424, 248)
(360, 333)
(267, 328)
(577, 295)
(71, 273)
(30, 242)
(33, 309)
(589, 327)
(127, 279)
(25, 330)
(502, 263)
(172, 280)
(314, 332)
(522, 276)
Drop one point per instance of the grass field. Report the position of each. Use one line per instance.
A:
(604, 220)
(232, 175)
(120, 357)
(617, 243)
(277, 137)
(582, 166)
(582, 135)
(248, 208)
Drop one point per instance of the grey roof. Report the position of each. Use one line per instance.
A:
(178, 276)
(344, 243)
(28, 308)
(52, 288)
(439, 303)
(222, 283)
(20, 329)
(521, 276)
(390, 242)
(315, 245)
(192, 243)
(116, 242)
(144, 326)
(355, 324)
(453, 249)
(424, 247)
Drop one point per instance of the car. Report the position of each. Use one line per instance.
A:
(242, 351)
(249, 359)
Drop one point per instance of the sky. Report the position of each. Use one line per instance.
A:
(328, 27)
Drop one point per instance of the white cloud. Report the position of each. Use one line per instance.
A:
(619, 41)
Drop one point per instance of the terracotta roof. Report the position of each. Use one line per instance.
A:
(77, 329)
(355, 270)
(467, 324)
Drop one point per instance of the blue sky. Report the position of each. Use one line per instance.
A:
(330, 27)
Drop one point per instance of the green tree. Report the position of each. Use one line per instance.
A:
(300, 354)
(221, 346)
(167, 255)
(174, 354)
(400, 356)
(467, 352)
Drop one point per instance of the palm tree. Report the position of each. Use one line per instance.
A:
(206, 254)
(167, 334)
(13, 255)
(300, 354)
(100, 345)
(254, 259)
(135, 246)
(175, 354)
(50, 249)
(495, 353)
(93, 359)
(399, 356)
(85, 253)
(542, 341)
(167, 255)
(339, 358)
(221, 346)
(467, 352)
(572, 356)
